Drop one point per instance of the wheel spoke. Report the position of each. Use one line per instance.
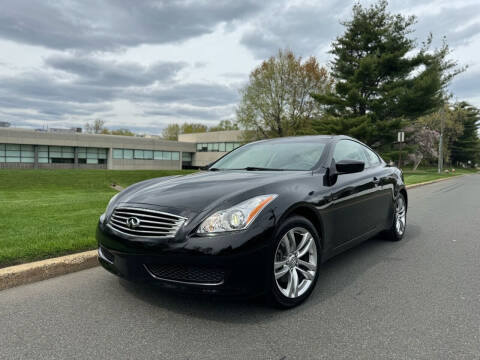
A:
(291, 240)
(292, 287)
(281, 272)
(305, 246)
(286, 242)
(279, 264)
(308, 265)
(307, 275)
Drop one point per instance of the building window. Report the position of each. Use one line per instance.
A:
(175, 155)
(2, 152)
(148, 154)
(228, 147)
(138, 154)
(13, 153)
(127, 154)
(118, 153)
(166, 155)
(91, 155)
(217, 147)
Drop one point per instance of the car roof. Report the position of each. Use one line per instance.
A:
(327, 138)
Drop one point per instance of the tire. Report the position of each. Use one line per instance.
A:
(289, 266)
(396, 232)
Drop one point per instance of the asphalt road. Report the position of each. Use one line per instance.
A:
(415, 299)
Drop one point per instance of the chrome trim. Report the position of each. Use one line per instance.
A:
(168, 224)
(179, 281)
(102, 256)
(152, 211)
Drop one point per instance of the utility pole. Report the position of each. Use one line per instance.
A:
(440, 143)
(400, 140)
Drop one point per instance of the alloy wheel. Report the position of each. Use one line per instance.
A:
(400, 216)
(295, 263)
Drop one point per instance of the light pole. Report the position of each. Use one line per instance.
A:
(400, 140)
(440, 143)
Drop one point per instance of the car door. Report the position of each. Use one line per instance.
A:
(352, 209)
(383, 201)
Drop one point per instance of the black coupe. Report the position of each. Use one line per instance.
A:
(261, 219)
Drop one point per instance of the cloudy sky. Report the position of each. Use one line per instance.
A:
(145, 64)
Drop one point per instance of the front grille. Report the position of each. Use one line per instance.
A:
(145, 222)
(187, 274)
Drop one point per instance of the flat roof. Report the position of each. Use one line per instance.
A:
(32, 137)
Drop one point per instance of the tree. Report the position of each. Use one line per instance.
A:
(423, 143)
(382, 79)
(191, 128)
(122, 132)
(171, 132)
(452, 125)
(467, 146)
(96, 127)
(224, 125)
(277, 102)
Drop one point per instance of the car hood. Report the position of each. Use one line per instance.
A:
(204, 190)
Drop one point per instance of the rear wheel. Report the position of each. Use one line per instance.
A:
(399, 225)
(294, 269)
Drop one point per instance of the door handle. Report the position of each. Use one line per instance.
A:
(376, 180)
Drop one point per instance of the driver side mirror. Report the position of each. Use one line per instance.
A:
(342, 167)
(350, 166)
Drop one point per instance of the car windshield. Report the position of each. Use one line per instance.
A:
(273, 155)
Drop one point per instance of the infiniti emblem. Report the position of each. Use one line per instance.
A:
(133, 222)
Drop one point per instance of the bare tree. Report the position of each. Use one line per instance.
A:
(277, 100)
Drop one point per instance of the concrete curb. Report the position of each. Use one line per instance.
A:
(434, 181)
(45, 269)
(40, 270)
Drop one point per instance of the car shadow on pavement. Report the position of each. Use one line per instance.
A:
(336, 275)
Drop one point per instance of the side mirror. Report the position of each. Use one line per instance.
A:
(350, 166)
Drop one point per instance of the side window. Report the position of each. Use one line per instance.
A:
(349, 150)
(372, 158)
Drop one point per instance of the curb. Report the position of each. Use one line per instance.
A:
(45, 269)
(41, 270)
(434, 181)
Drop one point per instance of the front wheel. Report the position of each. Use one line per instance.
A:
(399, 225)
(294, 269)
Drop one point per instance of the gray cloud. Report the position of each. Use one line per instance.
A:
(304, 28)
(110, 24)
(185, 113)
(196, 94)
(457, 23)
(93, 71)
(466, 85)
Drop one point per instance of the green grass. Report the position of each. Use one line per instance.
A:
(47, 213)
(429, 174)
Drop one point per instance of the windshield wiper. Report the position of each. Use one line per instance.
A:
(213, 169)
(256, 168)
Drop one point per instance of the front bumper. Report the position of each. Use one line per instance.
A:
(229, 264)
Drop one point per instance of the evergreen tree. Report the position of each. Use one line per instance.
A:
(381, 79)
(467, 146)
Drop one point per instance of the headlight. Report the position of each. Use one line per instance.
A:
(237, 217)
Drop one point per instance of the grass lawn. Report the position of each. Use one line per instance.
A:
(47, 213)
(429, 174)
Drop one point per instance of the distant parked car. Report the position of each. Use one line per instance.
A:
(261, 219)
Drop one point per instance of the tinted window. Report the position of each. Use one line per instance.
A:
(349, 150)
(288, 155)
(372, 158)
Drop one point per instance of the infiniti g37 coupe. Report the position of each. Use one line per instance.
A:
(261, 219)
